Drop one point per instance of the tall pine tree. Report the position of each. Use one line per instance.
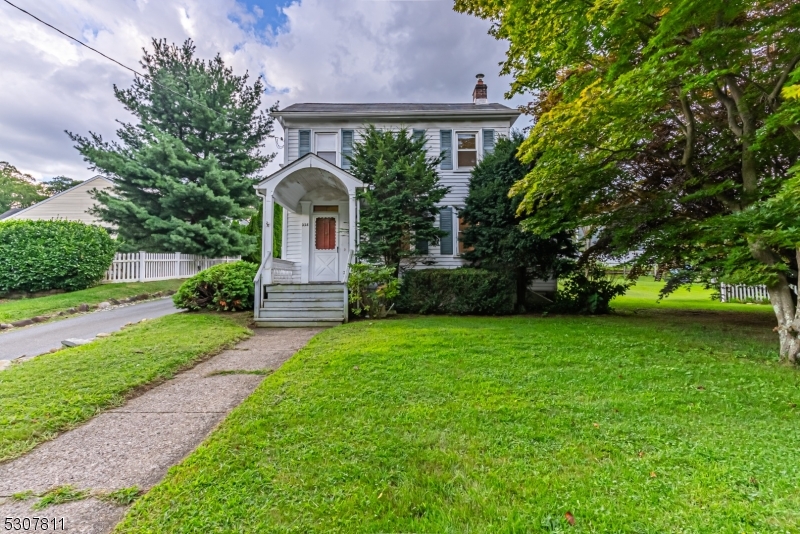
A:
(185, 171)
(400, 203)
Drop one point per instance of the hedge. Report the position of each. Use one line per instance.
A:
(45, 255)
(457, 291)
(224, 287)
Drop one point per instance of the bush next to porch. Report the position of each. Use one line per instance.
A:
(457, 291)
(44, 255)
(225, 287)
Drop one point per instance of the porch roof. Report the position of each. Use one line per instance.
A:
(291, 183)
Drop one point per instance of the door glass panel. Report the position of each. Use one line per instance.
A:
(325, 233)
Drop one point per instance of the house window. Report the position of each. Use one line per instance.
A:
(325, 145)
(467, 150)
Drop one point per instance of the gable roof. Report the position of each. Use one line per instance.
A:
(398, 110)
(22, 212)
(10, 212)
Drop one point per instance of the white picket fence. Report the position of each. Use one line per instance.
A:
(729, 293)
(149, 267)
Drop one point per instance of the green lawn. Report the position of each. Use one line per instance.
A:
(14, 310)
(665, 421)
(53, 392)
(644, 295)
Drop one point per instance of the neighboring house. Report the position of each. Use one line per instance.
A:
(307, 285)
(70, 205)
(9, 213)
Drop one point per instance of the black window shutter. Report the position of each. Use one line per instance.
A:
(446, 224)
(304, 143)
(347, 148)
(488, 141)
(417, 134)
(446, 146)
(421, 246)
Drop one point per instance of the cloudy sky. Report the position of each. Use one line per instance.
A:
(307, 51)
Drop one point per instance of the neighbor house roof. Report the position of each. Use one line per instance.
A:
(396, 110)
(9, 213)
(71, 205)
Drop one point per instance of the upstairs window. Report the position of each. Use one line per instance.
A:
(467, 146)
(326, 146)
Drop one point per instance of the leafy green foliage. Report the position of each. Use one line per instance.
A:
(494, 237)
(488, 425)
(224, 287)
(59, 184)
(659, 126)
(43, 255)
(55, 392)
(463, 291)
(254, 228)
(184, 173)
(584, 294)
(400, 204)
(372, 289)
(18, 190)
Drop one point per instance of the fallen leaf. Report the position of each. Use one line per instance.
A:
(641, 454)
(570, 518)
(652, 474)
(355, 368)
(596, 425)
(701, 387)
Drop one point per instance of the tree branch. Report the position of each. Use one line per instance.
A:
(688, 150)
(776, 91)
(730, 107)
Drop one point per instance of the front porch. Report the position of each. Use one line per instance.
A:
(309, 283)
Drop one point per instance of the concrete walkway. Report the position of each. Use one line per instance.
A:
(38, 339)
(135, 444)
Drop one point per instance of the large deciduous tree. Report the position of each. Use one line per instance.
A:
(185, 171)
(399, 206)
(668, 128)
(17, 189)
(494, 236)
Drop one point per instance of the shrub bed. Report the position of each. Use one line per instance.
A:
(45, 255)
(461, 291)
(225, 287)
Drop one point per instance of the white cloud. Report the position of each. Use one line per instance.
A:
(328, 50)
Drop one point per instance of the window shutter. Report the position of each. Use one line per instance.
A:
(446, 224)
(446, 146)
(417, 134)
(304, 143)
(488, 141)
(421, 246)
(347, 148)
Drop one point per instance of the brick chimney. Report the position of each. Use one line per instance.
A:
(480, 94)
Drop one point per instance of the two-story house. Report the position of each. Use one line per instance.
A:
(307, 285)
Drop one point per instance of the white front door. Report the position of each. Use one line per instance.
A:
(325, 247)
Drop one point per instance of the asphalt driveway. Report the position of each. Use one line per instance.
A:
(38, 339)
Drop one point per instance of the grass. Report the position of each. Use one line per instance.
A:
(54, 392)
(653, 420)
(122, 497)
(644, 295)
(60, 495)
(17, 309)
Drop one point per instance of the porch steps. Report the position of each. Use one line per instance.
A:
(298, 305)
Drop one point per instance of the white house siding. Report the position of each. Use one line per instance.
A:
(457, 181)
(294, 234)
(71, 205)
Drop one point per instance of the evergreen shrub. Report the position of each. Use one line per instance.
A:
(45, 255)
(462, 291)
(224, 287)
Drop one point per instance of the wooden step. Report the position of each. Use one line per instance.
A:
(297, 323)
(303, 303)
(301, 313)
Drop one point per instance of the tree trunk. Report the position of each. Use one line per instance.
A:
(787, 312)
(522, 288)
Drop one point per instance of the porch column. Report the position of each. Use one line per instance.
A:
(305, 239)
(353, 223)
(266, 227)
